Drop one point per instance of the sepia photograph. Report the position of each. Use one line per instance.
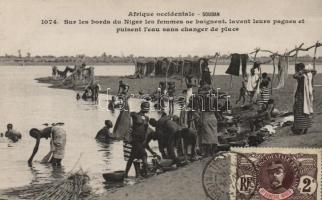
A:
(160, 99)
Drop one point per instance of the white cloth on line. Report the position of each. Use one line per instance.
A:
(308, 91)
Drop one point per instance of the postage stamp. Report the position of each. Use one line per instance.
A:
(264, 173)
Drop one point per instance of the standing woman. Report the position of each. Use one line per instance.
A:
(303, 99)
(57, 143)
(137, 139)
(208, 125)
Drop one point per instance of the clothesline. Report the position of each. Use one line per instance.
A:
(234, 66)
(288, 54)
(256, 51)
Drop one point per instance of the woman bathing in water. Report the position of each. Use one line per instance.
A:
(57, 143)
(105, 135)
(12, 134)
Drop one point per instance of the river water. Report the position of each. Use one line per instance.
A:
(28, 104)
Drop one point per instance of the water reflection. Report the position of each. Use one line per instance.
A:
(40, 173)
(113, 186)
(58, 172)
(105, 150)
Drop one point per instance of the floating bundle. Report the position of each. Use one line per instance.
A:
(73, 187)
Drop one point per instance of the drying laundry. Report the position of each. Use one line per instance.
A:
(308, 91)
(287, 119)
(234, 65)
(282, 71)
(269, 128)
(252, 82)
(244, 59)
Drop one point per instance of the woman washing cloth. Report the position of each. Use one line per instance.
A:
(57, 143)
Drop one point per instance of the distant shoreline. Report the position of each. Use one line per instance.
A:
(61, 64)
(108, 64)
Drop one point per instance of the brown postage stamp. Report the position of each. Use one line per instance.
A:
(265, 174)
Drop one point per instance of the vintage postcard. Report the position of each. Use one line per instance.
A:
(160, 99)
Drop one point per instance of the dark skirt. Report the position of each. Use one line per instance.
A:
(138, 150)
(301, 120)
(208, 131)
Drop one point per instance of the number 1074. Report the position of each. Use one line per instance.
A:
(48, 21)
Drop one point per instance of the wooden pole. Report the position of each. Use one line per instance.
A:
(182, 66)
(257, 50)
(314, 58)
(296, 53)
(166, 74)
(273, 57)
(260, 74)
(200, 71)
(317, 44)
(296, 49)
(134, 62)
(213, 73)
(153, 72)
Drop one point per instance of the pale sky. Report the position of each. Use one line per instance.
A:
(20, 27)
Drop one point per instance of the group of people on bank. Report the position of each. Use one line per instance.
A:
(193, 132)
(197, 124)
(303, 96)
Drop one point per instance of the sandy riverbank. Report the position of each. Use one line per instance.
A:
(186, 183)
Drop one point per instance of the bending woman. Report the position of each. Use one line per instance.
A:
(57, 143)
